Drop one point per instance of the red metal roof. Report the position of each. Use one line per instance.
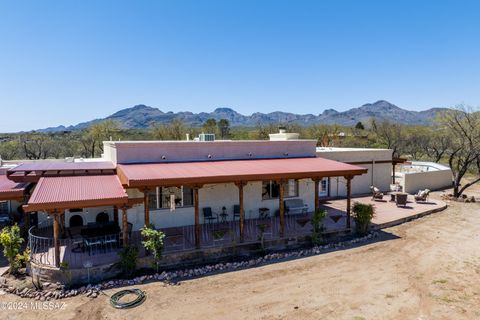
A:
(76, 192)
(31, 172)
(168, 174)
(10, 190)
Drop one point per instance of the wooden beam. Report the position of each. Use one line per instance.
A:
(240, 186)
(349, 196)
(316, 181)
(115, 215)
(281, 190)
(393, 172)
(56, 238)
(146, 206)
(125, 226)
(197, 217)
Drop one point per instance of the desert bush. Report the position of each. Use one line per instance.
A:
(11, 241)
(317, 224)
(363, 215)
(128, 259)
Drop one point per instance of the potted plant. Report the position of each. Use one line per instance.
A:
(363, 215)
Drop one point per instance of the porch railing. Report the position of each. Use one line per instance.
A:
(79, 252)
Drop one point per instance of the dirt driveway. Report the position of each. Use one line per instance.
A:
(425, 269)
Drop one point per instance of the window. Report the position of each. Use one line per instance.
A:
(4, 208)
(271, 189)
(324, 187)
(160, 197)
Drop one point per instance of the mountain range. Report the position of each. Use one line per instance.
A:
(142, 116)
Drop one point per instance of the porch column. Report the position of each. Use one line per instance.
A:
(242, 210)
(197, 217)
(146, 206)
(281, 184)
(115, 215)
(56, 238)
(316, 181)
(125, 226)
(349, 196)
(393, 171)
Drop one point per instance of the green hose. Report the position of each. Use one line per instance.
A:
(114, 300)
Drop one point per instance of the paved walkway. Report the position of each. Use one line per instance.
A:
(387, 213)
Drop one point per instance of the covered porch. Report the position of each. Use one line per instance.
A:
(52, 244)
(105, 248)
(50, 240)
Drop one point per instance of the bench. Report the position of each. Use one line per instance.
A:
(295, 206)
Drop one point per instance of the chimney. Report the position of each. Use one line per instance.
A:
(283, 135)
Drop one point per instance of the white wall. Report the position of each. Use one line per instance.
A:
(381, 178)
(88, 215)
(216, 196)
(168, 151)
(379, 174)
(433, 180)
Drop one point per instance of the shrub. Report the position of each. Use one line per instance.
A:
(317, 224)
(363, 215)
(153, 242)
(128, 259)
(11, 241)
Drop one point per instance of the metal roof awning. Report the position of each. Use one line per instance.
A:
(32, 172)
(10, 190)
(60, 193)
(190, 173)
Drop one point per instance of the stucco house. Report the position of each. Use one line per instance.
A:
(202, 194)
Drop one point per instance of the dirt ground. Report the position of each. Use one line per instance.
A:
(425, 269)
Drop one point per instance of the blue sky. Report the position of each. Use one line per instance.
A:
(64, 62)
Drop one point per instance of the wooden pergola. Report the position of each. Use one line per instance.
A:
(197, 174)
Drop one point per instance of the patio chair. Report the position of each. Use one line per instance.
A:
(111, 241)
(236, 211)
(376, 193)
(76, 241)
(422, 195)
(91, 244)
(208, 215)
(401, 199)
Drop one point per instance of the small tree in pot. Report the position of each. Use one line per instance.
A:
(363, 215)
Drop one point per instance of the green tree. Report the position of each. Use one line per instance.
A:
(10, 150)
(175, 130)
(11, 241)
(153, 242)
(463, 155)
(210, 126)
(36, 146)
(388, 135)
(224, 128)
(359, 126)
